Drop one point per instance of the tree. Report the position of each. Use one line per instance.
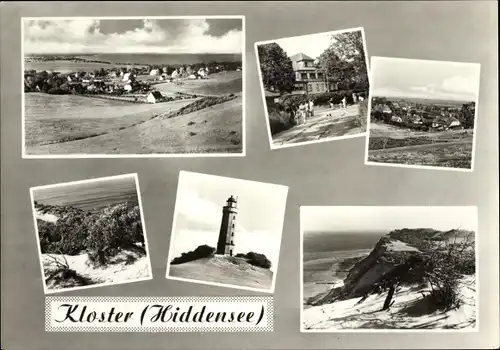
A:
(276, 68)
(466, 115)
(344, 60)
(113, 229)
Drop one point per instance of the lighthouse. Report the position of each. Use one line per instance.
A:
(225, 244)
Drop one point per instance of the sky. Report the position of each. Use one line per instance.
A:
(87, 35)
(198, 214)
(91, 194)
(393, 77)
(312, 45)
(384, 219)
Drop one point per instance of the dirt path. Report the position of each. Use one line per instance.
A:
(321, 126)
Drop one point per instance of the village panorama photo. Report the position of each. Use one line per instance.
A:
(133, 86)
(226, 232)
(388, 268)
(91, 233)
(314, 87)
(422, 113)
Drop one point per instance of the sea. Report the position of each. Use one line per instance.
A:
(91, 195)
(122, 59)
(320, 242)
(324, 251)
(172, 59)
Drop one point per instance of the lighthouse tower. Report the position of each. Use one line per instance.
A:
(225, 244)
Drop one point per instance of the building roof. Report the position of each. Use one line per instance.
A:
(231, 199)
(156, 94)
(445, 120)
(301, 57)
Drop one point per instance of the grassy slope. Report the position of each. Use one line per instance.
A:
(79, 122)
(214, 129)
(234, 271)
(451, 148)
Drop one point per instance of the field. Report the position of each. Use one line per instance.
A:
(451, 148)
(214, 129)
(69, 67)
(68, 124)
(217, 84)
(64, 118)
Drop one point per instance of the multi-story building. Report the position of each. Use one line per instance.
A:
(308, 78)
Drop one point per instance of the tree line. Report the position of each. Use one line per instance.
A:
(343, 62)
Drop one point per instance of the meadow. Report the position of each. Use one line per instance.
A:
(53, 119)
(450, 148)
(217, 84)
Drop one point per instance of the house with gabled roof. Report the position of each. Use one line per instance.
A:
(445, 123)
(155, 97)
(308, 77)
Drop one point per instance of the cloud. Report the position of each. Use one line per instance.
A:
(458, 84)
(198, 222)
(197, 213)
(455, 88)
(152, 36)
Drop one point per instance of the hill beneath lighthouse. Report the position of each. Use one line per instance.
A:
(224, 269)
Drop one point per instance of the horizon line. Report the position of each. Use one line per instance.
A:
(423, 98)
(132, 53)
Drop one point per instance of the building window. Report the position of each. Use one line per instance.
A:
(303, 76)
(233, 224)
(309, 87)
(320, 75)
(312, 75)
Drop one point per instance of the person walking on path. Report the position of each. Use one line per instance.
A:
(344, 106)
(311, 107)
(302, 111)
(331, 102)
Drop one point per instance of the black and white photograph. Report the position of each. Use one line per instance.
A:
(388, 268)
(422, 113)
(91, 233)
(314, 87)
(133, 86)
(226, 232)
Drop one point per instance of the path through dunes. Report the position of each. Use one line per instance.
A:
(322, 126)
(213, 129)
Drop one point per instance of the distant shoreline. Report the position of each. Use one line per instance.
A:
(422, 99)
